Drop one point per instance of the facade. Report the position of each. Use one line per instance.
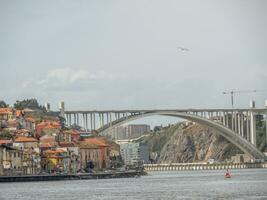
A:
(26, 142)
(129, 131)
(94, 150)
(10, 160)
(47, 128)
(6, 113)
(134, 154)
(136, 130)
(55, 160)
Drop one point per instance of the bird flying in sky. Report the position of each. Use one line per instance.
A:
(182, 49)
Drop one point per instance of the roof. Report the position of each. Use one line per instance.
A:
(30, 119)
(66, 144)
(47, 138)
(5, 142)
(4, 111)
(48, 145)
(93, 143)
(25, 139)
(48, 125)
(55, 151)
(72, 132)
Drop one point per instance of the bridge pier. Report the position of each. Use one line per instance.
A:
(253, 128)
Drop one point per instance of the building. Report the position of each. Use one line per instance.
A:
(74, 156)
(94, 150)
(47, 128)
(31, 159)
(11, 160)
(134, 154)
(55, 160)
(47, 142)
(26, 142)
(129, 131)
(6, 113)
(136, 130)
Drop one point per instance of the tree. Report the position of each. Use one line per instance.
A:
(3, 104)
(5, 135)
(28, 103)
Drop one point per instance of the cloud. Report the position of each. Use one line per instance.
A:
(66, 75)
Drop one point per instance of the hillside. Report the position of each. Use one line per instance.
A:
(193, 143)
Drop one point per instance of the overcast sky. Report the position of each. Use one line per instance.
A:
(123, 54)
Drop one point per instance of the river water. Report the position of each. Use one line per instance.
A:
(245, 184)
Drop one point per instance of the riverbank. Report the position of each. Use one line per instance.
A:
(201, 166)
(81, 176)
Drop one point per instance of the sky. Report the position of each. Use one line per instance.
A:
(123, 54)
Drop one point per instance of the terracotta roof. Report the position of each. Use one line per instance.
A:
(55, 151)
(52, 123)
(5, 142)
(66, 144)
(48, 145)
(30, 119)
(47, 139)
(4, 111)
(72, 132)
(93, 143)
(25, 139)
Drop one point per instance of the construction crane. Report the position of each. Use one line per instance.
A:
(232, 92)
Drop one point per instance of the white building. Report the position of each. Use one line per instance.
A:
(134, 153)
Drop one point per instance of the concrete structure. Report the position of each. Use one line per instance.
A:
(134, 154)
(201, 166)
(128, 131)
(236, 125)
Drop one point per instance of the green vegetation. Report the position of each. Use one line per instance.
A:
(28, 103)
(3, 104)
(158, 138)
(5, 135)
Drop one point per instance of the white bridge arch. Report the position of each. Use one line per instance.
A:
(238, 126)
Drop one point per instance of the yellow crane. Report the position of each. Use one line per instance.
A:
(232, 92)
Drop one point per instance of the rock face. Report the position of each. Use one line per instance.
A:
(194, 143)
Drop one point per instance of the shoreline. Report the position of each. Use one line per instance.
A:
(82, 176)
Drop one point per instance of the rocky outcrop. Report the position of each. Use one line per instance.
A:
(193, 143)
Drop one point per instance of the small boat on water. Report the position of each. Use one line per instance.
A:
(227, 174)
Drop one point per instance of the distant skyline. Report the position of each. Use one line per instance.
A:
(125, 54)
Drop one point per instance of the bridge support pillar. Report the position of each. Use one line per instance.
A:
(91, 121)
(242, 125)
(235, 122)
(253, 128)
(232, 122)
(239, 123)
(86, 122)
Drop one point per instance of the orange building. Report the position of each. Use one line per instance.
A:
(6, 113)
(53, 126)
(26, 142)
(94, 150)
(47, 142)
(70, 136)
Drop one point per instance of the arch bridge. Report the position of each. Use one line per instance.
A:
(238, 126)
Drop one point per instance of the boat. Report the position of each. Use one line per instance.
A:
(227, 174)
